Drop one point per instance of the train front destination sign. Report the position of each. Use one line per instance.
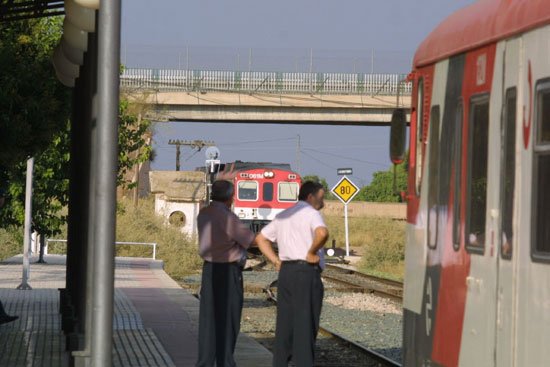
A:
(345, 190)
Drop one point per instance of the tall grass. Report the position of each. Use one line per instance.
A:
(178, 251)
(379, 241)
(141, 224)
(11, 242)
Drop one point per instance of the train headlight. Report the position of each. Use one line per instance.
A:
(269, 174)
(242, 215)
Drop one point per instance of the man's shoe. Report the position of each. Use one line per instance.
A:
(5, 319)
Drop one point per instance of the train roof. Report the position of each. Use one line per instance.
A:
(479, 24)
(241, 166)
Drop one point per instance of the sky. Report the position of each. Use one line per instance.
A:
(283, 35)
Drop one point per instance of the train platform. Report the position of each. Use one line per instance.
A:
(155, 321)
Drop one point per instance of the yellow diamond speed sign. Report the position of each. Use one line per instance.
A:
(345, 190)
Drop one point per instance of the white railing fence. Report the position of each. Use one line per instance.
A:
(152, 244)
(265, 82)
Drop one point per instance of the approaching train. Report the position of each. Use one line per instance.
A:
(262, 190)
(477, 278)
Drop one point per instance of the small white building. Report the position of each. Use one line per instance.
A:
(179, 195)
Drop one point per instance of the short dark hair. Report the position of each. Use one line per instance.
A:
(222, 190)
(309, 187)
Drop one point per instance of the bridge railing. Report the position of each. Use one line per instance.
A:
(265, 82)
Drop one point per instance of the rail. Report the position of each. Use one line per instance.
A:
(380, 358)
(176, 80)
(153, 244)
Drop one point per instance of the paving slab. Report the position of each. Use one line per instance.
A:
(155, 321)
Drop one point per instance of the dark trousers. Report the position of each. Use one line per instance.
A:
(299, 300)
(221, 306)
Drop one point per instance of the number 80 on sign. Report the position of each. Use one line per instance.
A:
(345, 190)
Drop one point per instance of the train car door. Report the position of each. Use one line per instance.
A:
(482, 103)
(508, 58)
(533, 219)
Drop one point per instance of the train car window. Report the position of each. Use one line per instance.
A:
(433, 181)
(267, 191)
(457, 161)
(541, 173)
(247, 190)
(543, 107)
(508, 172)
(419, 132)
(288, 191)
(476, 199)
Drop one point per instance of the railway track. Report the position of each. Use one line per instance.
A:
(365, 283)
(378, 357)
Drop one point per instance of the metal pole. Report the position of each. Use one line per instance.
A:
(372, 61)
(27, 228)
(347, 228)
(87, 237)
(178, 155)
(187, 58)
(105, 190)
(310, 60)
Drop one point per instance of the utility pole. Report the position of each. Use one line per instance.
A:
(310, 60)
(249, 60)
(298, 149)
(372, 61)
(194, 144)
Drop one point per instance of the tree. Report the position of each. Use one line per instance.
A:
(36, 110)
(133, 144)
(381, 188)
(328, 194)
(35, 106)
(50, 194)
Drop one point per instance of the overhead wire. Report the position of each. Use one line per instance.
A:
(317, 160)
(344, 157)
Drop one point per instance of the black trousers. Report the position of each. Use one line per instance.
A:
(299, 301)
(221, 306)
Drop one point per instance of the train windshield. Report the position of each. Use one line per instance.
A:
(247, 190)
(288, 191)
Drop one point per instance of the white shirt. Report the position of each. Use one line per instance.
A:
(294, 231)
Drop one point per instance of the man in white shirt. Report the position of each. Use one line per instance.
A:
(300, 234)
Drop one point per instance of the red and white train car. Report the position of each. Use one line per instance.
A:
(262, 193)
(477, 279)
(262, 190)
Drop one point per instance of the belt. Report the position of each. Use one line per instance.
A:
(233, 263)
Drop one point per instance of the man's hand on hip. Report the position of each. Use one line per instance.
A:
(312, 258)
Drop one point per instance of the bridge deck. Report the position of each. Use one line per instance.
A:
(155, 321)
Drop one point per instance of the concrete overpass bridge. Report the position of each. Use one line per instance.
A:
(268, 97)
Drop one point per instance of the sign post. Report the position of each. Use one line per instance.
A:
(345, 190)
